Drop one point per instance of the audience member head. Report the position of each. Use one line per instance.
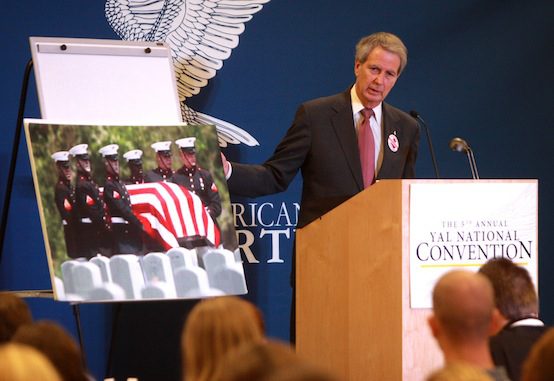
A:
(514, 292)
(57, 345)
(267, 361)
(539, 365)
(214, 327)
(459, 372)
(13, 313)
(463, 307)
(20, 362)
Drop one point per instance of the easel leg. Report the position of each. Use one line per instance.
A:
(115, 320)
(77, 314)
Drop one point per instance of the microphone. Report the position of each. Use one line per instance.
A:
(420, 120)
(460, 145)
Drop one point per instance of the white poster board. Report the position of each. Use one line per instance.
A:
(105, 81)
(463, 225)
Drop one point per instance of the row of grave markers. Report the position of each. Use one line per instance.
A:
(178, 273)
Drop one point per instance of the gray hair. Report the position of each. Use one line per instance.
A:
(385, 40)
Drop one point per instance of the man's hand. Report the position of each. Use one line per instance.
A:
(226, 165)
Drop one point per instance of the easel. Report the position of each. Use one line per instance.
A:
(48, 294)
(166, 110)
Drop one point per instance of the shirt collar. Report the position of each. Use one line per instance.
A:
(357, 105)
(528, 322)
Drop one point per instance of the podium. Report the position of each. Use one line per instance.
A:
(353, 288)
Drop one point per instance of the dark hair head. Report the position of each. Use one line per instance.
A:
(514, 292)
(14, 312)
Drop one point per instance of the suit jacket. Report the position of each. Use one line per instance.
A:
(322, 144)
(510, 347)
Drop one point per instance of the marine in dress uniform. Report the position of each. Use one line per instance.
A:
(92, 225)
(134, 163)
(197, 180)
(64, 196)
(125, 226)
(163, 172)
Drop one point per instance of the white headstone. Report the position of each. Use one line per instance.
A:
(158, 290)
(179, 257)
(224, 272)
(191, 280)
(157, 269)
(228, 279)
(86, 277)
(67, 275)
(107, 291)
(103, 264)
(60, 289)
(127, 273)
(216, 258)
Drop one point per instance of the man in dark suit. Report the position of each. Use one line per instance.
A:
(163, 172)
(92, 228)
(196, 179)
(134, 163)
(325, 140)
(64, 195)
(126, 227)
(518, 324)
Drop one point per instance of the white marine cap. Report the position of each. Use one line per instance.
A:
(161, 146)
(134, 154)
(60, 156)
(109, 151)
(79, 150)
(186, 143)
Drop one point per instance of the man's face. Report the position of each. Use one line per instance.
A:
(136, 170)
(376, 77)
(84, 164)
(164, 161)
(112, 167)
(65, 172)
(188, 159)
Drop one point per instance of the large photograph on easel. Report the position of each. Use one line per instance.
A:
(134, 212)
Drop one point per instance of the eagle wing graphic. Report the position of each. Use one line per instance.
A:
(201, 35)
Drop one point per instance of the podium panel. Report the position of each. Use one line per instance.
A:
(353, 311)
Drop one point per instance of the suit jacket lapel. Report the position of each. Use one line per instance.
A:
(390, 126)
(343, 123)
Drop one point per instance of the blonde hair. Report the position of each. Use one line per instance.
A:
(59, 347)
(19, 362)
(214, 327)
(268, 360)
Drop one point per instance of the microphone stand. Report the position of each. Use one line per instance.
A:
(459, 145)
(421, 122)
(472, 163)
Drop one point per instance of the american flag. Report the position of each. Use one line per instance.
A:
(170, 212)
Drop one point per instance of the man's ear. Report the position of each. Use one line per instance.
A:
(357, 65)
(433, 325)
(497, 322)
